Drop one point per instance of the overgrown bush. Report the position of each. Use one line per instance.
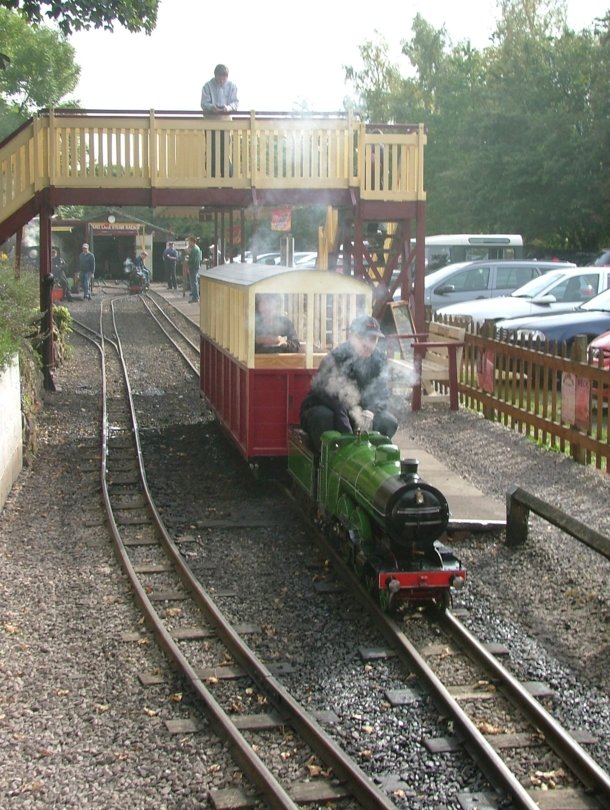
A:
(62, 326)
(19, 323)
(18, 312)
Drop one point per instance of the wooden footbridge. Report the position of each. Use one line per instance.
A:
(364, 174)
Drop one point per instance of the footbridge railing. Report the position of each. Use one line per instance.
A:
(94, 149)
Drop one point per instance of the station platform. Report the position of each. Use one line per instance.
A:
(470, 509)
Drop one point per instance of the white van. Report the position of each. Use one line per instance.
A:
(444, 249)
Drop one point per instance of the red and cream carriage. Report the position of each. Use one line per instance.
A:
(257, 396)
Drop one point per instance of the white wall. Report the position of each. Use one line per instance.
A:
(11, 456)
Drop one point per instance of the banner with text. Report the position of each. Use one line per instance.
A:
(281, 219)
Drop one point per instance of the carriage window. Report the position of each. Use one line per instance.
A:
(332, 317)
(275, 330)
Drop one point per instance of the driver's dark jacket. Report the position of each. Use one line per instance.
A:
(345, 381)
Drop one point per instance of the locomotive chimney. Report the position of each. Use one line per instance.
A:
(409, 467)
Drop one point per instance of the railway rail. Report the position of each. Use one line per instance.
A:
(191, 629)
(488, 678)
(594, 789)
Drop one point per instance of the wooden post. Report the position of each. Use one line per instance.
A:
(579, 355)
(517, 515)
(46, 295)
(488, 331)
(418, 300)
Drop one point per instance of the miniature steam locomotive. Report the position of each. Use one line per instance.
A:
(384, 520)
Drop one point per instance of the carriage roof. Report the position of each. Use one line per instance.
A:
(321, 304)
(280, 278)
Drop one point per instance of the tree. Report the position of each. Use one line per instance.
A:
(75, 15)
(40, 72)
(518, 133)
(379, 84)
(544, 139)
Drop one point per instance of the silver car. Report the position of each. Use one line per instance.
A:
(466, 281)
(555, 291)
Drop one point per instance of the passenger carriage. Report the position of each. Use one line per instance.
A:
(255, 396)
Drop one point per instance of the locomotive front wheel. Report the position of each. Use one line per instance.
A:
(370, 581)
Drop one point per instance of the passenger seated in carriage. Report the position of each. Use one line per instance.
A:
(274, 332)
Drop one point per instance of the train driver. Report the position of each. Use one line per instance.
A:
(350, 390)
(274, 332)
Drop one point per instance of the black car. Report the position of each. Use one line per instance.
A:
(590, 319)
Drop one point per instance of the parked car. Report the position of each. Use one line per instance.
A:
(591, 319)
(305, 259)
(555, 291)
(599, 351)
(466, 281)
(603, 260)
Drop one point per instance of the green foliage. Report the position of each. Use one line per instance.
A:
(62, 318)
(518, 133)
(18, 315)
(62, 327)
(378, 84)
(75, 15)
(40, 72)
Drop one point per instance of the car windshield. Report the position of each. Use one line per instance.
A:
(600, 302)
(537, 285)
(440, 275)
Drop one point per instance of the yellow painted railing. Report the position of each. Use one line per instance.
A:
(81, 149)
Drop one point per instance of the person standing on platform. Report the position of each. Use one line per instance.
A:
(219, 97)
(86, 268)
(170, 260)
(194, 263)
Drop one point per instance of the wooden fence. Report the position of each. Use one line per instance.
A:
(558, 399)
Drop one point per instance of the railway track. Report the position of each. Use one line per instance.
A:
(467, 681)
(211, 654)
(587, 787)
(184, 338)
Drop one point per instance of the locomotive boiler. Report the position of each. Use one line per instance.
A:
(387, 523)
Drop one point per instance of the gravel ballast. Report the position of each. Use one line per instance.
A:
(78, 729)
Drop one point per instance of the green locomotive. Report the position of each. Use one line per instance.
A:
(386, 521)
